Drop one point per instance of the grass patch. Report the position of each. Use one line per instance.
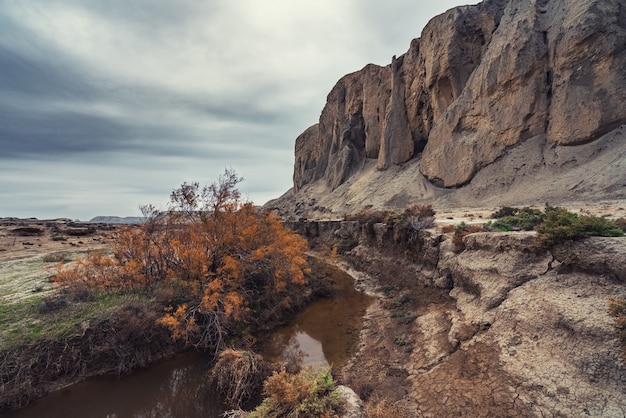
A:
(55, 316)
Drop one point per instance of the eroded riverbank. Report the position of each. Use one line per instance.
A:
(324, 333)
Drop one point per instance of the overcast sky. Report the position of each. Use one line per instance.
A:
(109, 104)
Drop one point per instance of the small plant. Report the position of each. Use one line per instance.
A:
(389, 288)
(305, 394)
(400, 340)
(401, 300)
(461, 231)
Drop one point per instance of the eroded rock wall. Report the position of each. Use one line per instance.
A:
(479, 81)
(493, 330)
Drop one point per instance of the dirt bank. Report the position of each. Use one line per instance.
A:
(494, 330)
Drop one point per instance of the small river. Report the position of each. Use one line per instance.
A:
(323, 334)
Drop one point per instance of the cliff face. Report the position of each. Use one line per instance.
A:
(480, 82)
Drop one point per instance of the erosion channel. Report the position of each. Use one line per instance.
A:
(323, 334)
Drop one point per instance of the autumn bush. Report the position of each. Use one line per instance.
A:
(303, 394)
(217, 262)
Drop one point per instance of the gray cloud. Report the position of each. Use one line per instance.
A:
(108, 105)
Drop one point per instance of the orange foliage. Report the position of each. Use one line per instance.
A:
(232, 257)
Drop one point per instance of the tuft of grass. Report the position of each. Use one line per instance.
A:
(378, 407)
(304, 394)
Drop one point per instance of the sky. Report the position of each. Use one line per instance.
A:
(106, 105)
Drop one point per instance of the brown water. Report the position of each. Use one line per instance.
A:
(325, 333)
(322, 334)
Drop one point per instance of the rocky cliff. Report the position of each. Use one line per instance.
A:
(506, 96)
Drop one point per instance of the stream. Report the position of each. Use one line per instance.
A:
(323, 334)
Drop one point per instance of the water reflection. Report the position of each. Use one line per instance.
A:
(171, 389)
(324, 334)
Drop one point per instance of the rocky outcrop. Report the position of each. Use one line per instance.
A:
(480, 82)
(494, 330)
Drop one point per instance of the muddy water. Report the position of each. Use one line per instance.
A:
(326, 332)
(323, 334)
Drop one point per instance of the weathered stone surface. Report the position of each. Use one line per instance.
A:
(516, 338)
(597, 255)
(479, 83)
(352, 404)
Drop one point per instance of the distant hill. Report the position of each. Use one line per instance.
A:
(116, 220)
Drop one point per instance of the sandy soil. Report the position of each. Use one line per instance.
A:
(30, 250)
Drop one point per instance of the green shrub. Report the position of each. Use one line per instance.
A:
(395, 219)
(525, 219)
(560, 226)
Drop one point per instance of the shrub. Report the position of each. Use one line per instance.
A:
(560, 226)
(238, 375)
(446, 229)
(504, 211)
(395, 219)
(525, 219)
(420, 211)
(462, 230)
(305, 394)
(621, 223)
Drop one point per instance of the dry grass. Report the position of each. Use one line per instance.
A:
(378, 407)
(239, 375)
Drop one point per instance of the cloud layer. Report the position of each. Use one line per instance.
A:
(108, 105)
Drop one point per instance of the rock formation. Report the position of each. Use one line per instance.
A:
(497, 329)
(481, 83)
